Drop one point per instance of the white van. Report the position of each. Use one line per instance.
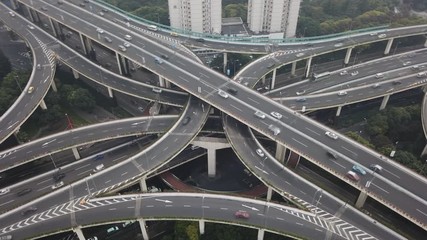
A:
(379, 75)
(157, 90)
(152, 28)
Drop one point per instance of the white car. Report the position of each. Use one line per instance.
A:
(12, 14)
(98, 168)
(126, 44)
(383, 35)
(128, 37)
(260, 152)
(30, 27)
(259, 114)
(343, 73)
(30, 89)
(331, 135)
(58, 185)
(300, 54)
(222, 94)
(354, 73)
(300, 92)
(276, 115)
(338, 45)
(342, 93)
(99, 30)
(4, 191)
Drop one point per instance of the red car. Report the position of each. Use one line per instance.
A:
(353, 176)
(241, 214)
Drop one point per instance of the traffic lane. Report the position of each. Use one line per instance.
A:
(337, 80)
(122, 84)
(26, 103)
(343, 167)
(84, 135)
(279, 177)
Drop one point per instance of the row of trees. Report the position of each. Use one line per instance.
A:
(396, 129)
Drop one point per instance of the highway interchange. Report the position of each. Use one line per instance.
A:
(237, 107)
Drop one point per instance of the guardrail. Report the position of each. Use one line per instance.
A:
(247, 39)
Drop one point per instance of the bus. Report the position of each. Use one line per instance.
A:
(319, 76)
(152, 28)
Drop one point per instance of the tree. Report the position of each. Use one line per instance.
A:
(359, 139)
(81, 98)
(377, 124)
(5, 66)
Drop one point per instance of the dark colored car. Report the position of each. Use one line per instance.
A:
(242, 214)
(232, 91)
(164, 56)
(57, 177)
(28, 211)
(332, 154)
(186, 120)
(200, 40)
(24, 191)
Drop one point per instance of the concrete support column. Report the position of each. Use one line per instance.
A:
(294, 67)
(263, 80)
(110, 92)
(143, 227)
(125, 64)
(30, 13)
(361, 199)
(118, 63)
(161, 81)
(424, 88)
(143, 185)
(384, 102)
(53, 85)
(76, 153)
(79, 233)
(202, 227)
(82, 41)
(36, 15)
(308, 66)
(88, 44)
(52, 25)
(273, 79)
(211, 162)
(43, 104)
(269, 193)
(224, 64)
(75, 74)
(425, 43)
(338, 111)
(388, 47)
(167, 84)
(260, 234)
(13, 4)
(347, 55)
(280, 152)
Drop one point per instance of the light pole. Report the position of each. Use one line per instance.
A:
(318, 200)
(51, 158)
(17, 83)
(69, 123)
(158, 18)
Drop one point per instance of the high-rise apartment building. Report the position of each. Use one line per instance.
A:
(196, 15)
(272, 16)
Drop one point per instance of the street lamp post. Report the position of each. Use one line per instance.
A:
(318, 200)
(69, 123)
(51, 158)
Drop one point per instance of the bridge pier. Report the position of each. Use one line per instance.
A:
(143, 227)
(125, 64)
(269, 193)
(211, 144)
(161, 81)
(273, 79)
(53, 86)
(338, 111)
(388, 47)
(119, 63)
(143, 184)
(79, 232)
(425, 43)
(347, 55)
(43, 104)
(293, 160)
(30, 14)
(87, 45)
(75, 74)
(384, 102)
(82, 41)
(294, 67)
(13, 4)
(76, 153)
(308, 66)
(110, 92)
(53, 26)
(361, 199)
(224, 63)
(202, 227)
(263, 80)
(260, 234)
(36, 15)
(280, 152)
